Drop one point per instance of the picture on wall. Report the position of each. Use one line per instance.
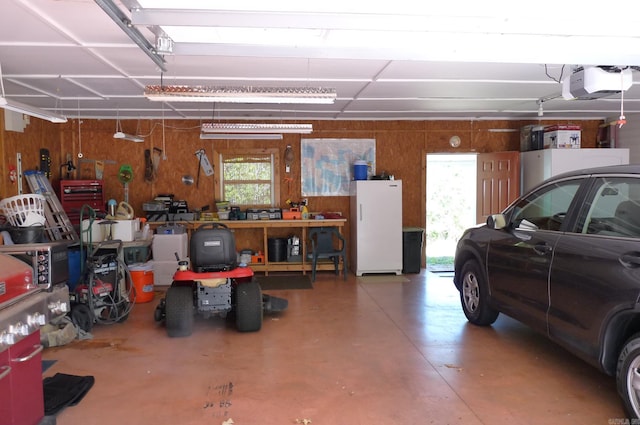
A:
(327, 164)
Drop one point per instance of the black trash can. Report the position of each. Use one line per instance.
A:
(277, 248)
(411, 249)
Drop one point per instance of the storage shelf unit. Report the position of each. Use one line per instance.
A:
(76, 193)
(263, 227)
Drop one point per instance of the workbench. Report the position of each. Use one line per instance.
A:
(254, 234)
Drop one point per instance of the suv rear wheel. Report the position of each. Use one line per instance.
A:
(474, 295)
(628, 376)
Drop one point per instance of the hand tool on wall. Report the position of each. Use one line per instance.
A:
(151, 164)
(45, 162)
(148, 166)
(203, 164)
(288, 159)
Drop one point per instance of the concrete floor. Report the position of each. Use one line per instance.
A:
(379, 350)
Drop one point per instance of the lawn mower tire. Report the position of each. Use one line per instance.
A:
(179, 311)
(248, 306)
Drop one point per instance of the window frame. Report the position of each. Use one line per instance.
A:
(219, 155)
(540, 199)
(592, 222)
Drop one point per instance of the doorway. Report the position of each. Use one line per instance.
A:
(451, 181)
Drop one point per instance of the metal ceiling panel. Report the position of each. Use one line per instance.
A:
(70, 53)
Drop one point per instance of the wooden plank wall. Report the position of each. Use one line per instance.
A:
(400, 147)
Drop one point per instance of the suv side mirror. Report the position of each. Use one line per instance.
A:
(496, 221)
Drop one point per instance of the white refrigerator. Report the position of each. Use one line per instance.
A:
(540, 165)
(376, 226)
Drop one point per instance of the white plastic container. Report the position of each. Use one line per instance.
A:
(92, 231)
(125, 230)
(165, 247)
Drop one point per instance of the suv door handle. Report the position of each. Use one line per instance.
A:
(630, 259)
(542, 249)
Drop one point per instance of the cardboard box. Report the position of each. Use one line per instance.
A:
(531, 137)
(562, 137)
(165, 247)
(163, 272)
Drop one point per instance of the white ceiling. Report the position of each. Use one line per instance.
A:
(70, 56)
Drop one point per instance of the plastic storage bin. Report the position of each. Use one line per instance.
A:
(165, 247)
(136, 254)
(411, 249)
(171, 229)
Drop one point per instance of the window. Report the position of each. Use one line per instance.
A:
(248, 177)
(546, 208)
(615, 209)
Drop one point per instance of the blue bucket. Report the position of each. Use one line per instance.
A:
(360, 170)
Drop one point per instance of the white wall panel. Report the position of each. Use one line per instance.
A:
(629, 137)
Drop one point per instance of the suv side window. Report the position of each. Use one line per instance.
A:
(546, 208)
(614, 209)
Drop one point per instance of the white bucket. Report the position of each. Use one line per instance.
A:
(92, 231)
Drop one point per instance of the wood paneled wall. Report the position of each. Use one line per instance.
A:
(400, 147)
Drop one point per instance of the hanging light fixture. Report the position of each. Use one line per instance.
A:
(119, 134)
(32, 111)
(240, 136)
(255, 128)
(22, 108)
(247, 94)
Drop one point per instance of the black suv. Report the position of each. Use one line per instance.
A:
(565, 260)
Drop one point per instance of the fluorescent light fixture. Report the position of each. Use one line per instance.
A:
(126, 136)
(124, 23)
(31, 110)
(240, 136)
(119, 134)
(250, 128)
(248, 94)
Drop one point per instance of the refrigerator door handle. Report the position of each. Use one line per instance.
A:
(360, 210)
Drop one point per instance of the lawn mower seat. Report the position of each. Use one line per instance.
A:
(213, 248)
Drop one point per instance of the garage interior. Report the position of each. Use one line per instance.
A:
(375, 349)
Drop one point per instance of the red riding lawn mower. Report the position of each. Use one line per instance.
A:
(216, 285)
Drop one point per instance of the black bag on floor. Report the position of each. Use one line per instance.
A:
(62, 390)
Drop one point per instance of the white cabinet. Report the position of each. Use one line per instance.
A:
(540, 165)
(376, 226)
